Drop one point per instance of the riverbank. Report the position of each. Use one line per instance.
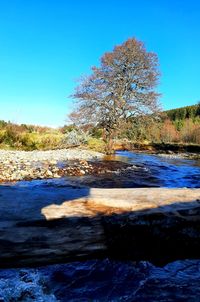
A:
(29, 165)
(20, 165)
(33, 165)
(165, 149)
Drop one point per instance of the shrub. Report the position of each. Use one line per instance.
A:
(168, 132)
(75, 137)
(2, 136)
(96, 132)
(49, 141)
(96, 144)
(11, 135)
(190, 133)
(27, 142)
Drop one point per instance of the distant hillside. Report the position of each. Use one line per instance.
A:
(183, 112)
(24, 127)
(28, 137)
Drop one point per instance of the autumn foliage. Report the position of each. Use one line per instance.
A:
(123, 86)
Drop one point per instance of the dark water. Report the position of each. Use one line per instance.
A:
(105, 280)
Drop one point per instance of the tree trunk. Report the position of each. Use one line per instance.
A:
(108, 139)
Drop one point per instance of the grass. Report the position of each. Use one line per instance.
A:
(30, 141)
(96, 144)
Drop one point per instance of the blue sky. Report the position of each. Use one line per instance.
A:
(46, 45)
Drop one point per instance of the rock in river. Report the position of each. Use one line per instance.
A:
(154, 224)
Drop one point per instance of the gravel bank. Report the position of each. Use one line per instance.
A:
(59, 155)
(19, 165)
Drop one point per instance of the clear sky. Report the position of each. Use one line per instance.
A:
(46, 45)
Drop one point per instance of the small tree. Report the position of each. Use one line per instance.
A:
(122, 87)
(168, 132)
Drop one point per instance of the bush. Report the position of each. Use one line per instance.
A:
(96, 132)
(190, 133)
(2, 136)
(11, 135)
(49, 141)
(169, 133)
(96, 144)
(27, 142)
(74, 138)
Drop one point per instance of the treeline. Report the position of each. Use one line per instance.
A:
(181, 125)
(188, 112)
(23, 127)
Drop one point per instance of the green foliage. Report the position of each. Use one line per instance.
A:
(48, 141)
(3, 124)
(28, 137)
(96, 132)
(178, 124)
(11, 136)
(183, 113)
(68, 128)
(96, 144)
(198, 109)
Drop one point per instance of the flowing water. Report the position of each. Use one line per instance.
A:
(164, 171)
(105, 280)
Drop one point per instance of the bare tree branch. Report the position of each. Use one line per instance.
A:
(122, 87)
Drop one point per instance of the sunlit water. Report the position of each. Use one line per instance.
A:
(166, 171)
(105, 280)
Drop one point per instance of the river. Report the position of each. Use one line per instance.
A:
(105, 280)
(164, 170)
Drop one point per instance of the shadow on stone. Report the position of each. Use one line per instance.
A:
(158, 225)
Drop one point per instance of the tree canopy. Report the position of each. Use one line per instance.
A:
(123, 86)
(184, 112)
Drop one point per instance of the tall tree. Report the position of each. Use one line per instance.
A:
(120, 88)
